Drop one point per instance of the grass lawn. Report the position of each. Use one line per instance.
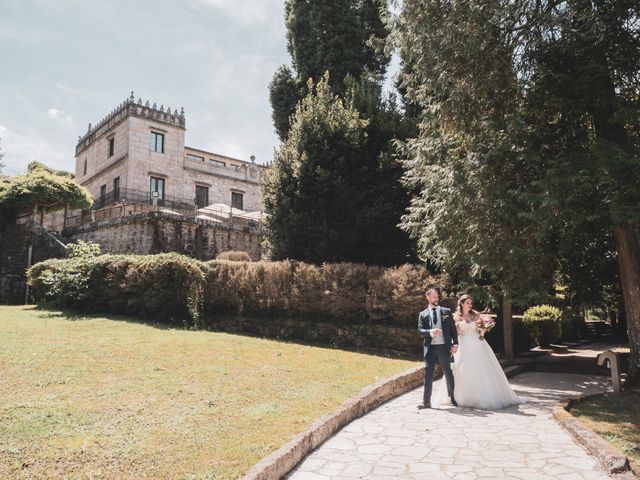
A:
(95, 397)
(615, 417)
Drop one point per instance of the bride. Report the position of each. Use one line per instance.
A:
(479, 379)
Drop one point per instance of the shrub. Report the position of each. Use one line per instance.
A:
(397, 294)
(234, 256)
(162, 287)
(84, 249)
(172, 286)
(545, 324)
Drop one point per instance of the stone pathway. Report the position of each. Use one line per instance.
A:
(396, 441)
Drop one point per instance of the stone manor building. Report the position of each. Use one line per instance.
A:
(138, 152)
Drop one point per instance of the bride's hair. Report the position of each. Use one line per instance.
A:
(458, 315)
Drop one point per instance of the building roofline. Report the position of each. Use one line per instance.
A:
(225, 156)
(130, 108)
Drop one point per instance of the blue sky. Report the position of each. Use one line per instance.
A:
(65, 63)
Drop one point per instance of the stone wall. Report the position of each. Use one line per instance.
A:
(158, 232)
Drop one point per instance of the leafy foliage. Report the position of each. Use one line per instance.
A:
(42, 187)
(171, 287)
(166, 287)
(468, 165)
(333, 192)
(544, 323)
(334, 35)
(35, 167)
(82, 249)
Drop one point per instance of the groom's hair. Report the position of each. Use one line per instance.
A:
(431, 290)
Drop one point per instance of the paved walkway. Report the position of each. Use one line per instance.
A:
(396, 441)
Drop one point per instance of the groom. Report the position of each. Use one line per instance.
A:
(436, 326)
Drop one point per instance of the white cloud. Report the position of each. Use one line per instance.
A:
(59, 116)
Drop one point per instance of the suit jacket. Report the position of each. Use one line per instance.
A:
(449, 331)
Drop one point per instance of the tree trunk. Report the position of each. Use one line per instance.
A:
(628, 246)
(507, 327)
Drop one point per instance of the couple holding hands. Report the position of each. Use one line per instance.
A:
(474, 377)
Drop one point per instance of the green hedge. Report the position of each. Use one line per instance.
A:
(176, 287)
(166, 287)
(544, 323)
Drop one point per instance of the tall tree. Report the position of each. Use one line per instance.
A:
(583, 101)
(333, 35)
(331, 194)
(530, 113)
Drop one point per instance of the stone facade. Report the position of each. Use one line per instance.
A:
(156, 232)
(135, 143)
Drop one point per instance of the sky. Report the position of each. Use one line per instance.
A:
(66, 63)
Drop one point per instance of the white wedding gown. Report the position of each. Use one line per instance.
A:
(479, 379)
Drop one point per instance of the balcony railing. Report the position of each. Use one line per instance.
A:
(126, 202)
(125, 195)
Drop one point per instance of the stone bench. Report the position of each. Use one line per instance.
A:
(613, 359)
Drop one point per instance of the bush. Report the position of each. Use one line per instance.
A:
(84, 249)
(545, 324)
(160, 287)
(172, 286)
(234, 256)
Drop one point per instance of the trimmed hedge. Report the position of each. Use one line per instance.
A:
(167, 287)
(175, 287)
(234, 256)
(544, 323)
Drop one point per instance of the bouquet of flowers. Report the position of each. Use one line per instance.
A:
(484, 325)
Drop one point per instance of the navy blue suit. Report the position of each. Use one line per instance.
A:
(437, 353)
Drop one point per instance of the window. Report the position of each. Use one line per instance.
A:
(195, 158)
(157, 185)
(112, 143)
(116, 188)
(202, 196)
(156, 142)
(103, 192)
(85, 167)
(236, 200)
(217, 163)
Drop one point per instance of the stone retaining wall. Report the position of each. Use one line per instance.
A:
(158, 232)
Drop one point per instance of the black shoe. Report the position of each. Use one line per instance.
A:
(422, 406)
(453, 402)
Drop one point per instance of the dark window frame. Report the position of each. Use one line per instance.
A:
(112, 146)
(116, 188)
(159, 181)
(153, 142)
(206, 196)
(234, 202)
